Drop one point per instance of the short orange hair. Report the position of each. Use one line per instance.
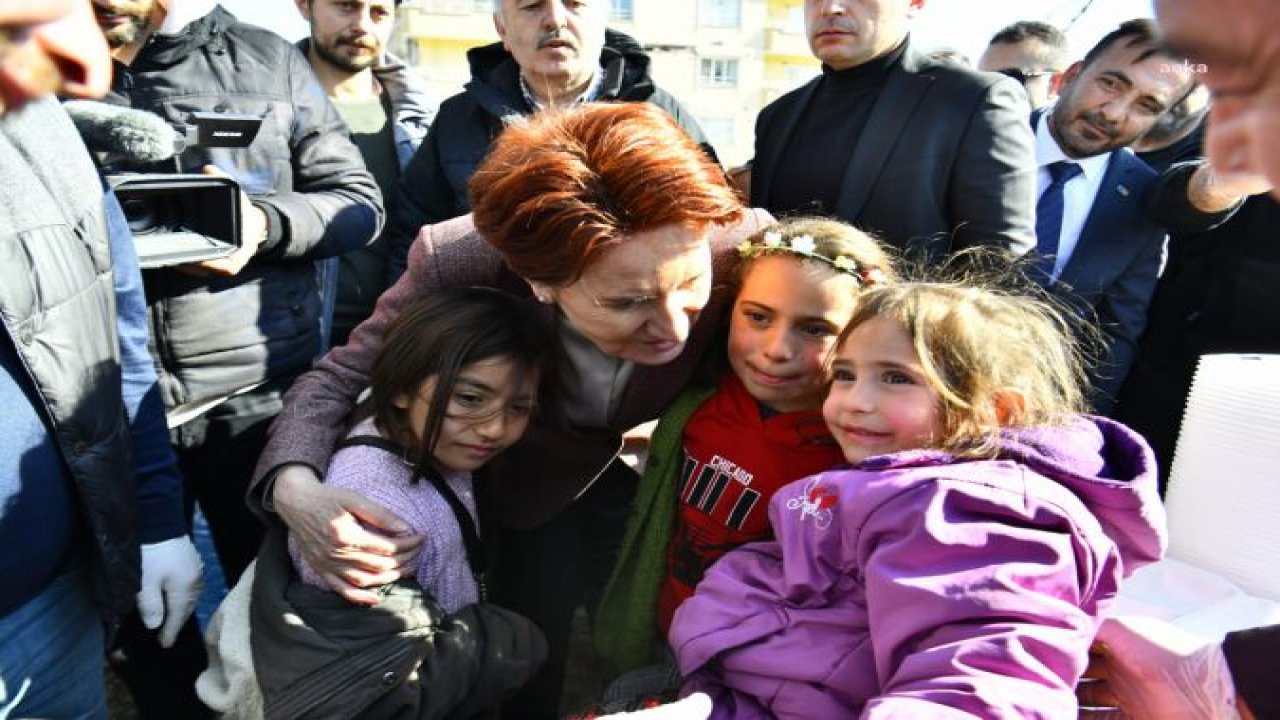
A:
(558, 188)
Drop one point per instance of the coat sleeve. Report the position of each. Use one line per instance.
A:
(761, 607)
(1170, 208)
(973, 609)
(1251, 656)
(992, 189)
(335, 205)
(423, 196)
(159, 484)
(1122, 316)
(316, 406)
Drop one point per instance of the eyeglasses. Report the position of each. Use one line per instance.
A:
(1022, 76)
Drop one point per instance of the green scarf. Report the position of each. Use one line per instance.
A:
(626, 620)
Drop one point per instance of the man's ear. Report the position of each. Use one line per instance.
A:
(1068, 76)
(1055, 84)
(304, 7)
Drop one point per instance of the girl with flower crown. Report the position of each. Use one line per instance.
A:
(722, 448)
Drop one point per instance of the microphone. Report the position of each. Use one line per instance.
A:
(124, 135)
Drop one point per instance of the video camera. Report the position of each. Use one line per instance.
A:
(176, 217)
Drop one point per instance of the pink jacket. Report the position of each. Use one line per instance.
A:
(919, 586)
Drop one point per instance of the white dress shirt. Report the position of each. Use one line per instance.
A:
(1078, 193)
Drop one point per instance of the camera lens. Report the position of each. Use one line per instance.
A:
(151, 214)
(140, 215)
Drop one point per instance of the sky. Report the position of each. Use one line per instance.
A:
(963, 24)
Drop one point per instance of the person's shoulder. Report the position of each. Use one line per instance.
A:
(948, 73)
(1129, 162)
(959, 86)
(458, 234)
(272, 50)
(225, 22)
(790, 97)
(361, 468)
(457, 243)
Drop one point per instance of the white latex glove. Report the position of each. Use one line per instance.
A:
(172, 576)
(1157, 671)
(695, 707)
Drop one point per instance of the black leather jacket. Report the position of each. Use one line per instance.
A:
(213, 336)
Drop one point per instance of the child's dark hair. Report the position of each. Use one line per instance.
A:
(442, 333)
(995, 359)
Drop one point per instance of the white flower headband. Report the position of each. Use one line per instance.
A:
(806, 247)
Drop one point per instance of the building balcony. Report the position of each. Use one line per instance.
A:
(456, 20)
(786, 44)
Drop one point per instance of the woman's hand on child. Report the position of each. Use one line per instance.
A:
(349, 540)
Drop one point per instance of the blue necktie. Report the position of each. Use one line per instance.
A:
(1049, 214)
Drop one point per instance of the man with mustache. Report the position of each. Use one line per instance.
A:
(231, 334)
(389, 111)
(86, 473)
(930, 156)
(553, 53)
(1102, 213)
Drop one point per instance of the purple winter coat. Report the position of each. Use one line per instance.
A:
(916, 585)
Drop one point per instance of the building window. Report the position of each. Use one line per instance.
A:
(718, 72)
(621, 11)
(720, 13)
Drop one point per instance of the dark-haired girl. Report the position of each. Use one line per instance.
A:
(454, 384)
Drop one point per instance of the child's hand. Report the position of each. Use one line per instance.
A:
(349, 540)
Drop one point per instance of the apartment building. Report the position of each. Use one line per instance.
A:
(724, 59)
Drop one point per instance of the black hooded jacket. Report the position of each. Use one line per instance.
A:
(433, 187)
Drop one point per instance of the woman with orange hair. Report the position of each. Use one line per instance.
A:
(615, 220)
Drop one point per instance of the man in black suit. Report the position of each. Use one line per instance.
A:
(1103, 213)
(929, 155)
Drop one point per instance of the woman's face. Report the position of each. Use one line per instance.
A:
(638, 300)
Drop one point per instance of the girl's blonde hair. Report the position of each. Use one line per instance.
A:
(837, 246)
(995, 360)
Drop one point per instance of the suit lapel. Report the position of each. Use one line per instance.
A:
(889, 118)
(766, 167)
(1107, 226)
